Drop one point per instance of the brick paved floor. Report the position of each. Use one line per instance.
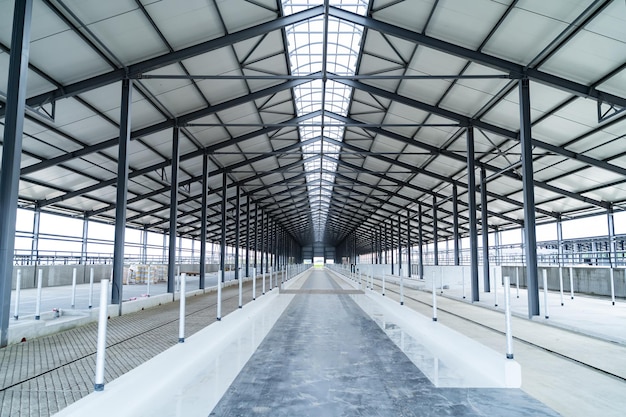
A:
(42, 376)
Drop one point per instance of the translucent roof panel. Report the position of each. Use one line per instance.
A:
(323, 45)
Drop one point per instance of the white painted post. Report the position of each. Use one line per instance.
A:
(38, 302)
(177, 280)
(401, 290)
(90, 288)
(495, 287)
(383, 284)
(149, 279)
(571, 282)
(434, 299)
(240, 291)
(73, 287)
(220, 274)
(517, 280)
(545, 293)
(561, 283)
(463, 280)
(181, 312)
(507, 318)
(442, 280)
(263, 272)
(253, 284)
(102, 335)
(271, 283)
(612, 285)
(18, 285)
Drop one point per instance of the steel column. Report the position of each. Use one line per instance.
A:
(485, 229)
(171, 265)
(247, 236)
(237, 230)
(144, 245)
(83, 246)
(262, 241)
(122, 191)
(455, 227)
(399, 245)
(532, 280)
(611, 227)
(256, 235)
(11, 154)
(34, 249)
(471, 203)
(223, 227)
(408, 238)
(204, 219)
(435, 231)
(420, 243)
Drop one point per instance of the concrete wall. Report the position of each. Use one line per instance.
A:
(57, 275)
(591, 280)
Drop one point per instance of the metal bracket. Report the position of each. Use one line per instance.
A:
(607, 111)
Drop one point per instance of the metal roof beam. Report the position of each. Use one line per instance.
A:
(513, 69)
(135, 70)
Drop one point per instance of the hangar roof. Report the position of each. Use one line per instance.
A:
(332, 117)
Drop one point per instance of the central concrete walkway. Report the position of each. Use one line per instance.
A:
(326, 357)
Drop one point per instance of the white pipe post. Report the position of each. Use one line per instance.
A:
(18, 285)
(507, 317)
(434, 299)
(220, 274)
(517, 280)
(90, 288)
(271, 283)
(253, 284)
(149, 279)
(263, 273)
(38, 302)
(73, 287)
(240, 291)
(561, 284)
(495, 287)
(102, 335)
(571, 282)
(181, 312)
(545, 293)
(612, 285)
(383, 285)
(441, 280)
(401, 290)
(463, 280)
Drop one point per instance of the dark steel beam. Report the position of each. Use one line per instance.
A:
(135, 70)
(204, 219)
(530, 241)
(471, 201)
(11, 154)
(512, 68)
(485, 230)
(173, 215)
(121, 193)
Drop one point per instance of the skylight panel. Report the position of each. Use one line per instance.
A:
(306, 56)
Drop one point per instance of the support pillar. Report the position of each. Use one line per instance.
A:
(435, 231)
(485, 229)
(471, 202)
(83, 247)
(420, 242)
(247, 236)
(409, 244)
(532, 280)
(455, 226)
(171, 265)
(122, 190)
(223, 228)
(204, 220)
(399, 245)
(12, 153)
(237, 230)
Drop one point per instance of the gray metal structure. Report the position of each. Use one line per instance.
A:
(436, 95)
